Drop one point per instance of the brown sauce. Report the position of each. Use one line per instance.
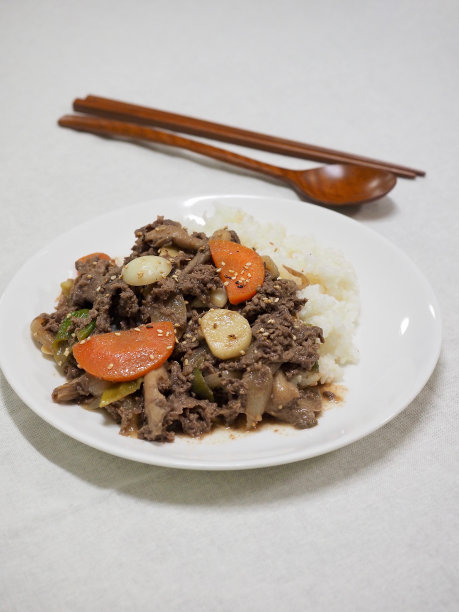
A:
(332, 395)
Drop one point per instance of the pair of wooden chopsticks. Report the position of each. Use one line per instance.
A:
(122, 111)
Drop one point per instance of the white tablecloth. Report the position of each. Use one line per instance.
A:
(373, 526)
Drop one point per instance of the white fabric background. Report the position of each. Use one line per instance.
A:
(373, 526)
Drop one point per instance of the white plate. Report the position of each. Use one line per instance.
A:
(399, 337)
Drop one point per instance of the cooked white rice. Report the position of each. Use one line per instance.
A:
(332, 293)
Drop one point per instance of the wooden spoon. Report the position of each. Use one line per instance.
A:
(334, 185)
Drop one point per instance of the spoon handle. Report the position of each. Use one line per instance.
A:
(132, 131)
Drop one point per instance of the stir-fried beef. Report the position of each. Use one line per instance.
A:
(271, 297)
(194, 389)
(93, 274)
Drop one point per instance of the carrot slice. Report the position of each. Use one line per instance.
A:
(99, 255)
(241, 269)
(126, 355)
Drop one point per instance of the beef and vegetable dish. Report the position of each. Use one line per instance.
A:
(190, 332)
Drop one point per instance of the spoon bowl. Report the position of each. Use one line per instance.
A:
(334, 185)
(342, 184)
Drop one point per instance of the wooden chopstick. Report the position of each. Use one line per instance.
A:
(114, 109)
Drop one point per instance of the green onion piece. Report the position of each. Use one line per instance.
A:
(59, 353)
(200, 387)
(315, 367)
(86, 331)
(63, 332)
(118, 391)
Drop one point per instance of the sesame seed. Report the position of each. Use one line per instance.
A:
(82, 341)
(276, 299)
(185, 362)
(219, 270)
(294, 337)
(88, 275)
(67, 352)
(110, 366)
(117, 334)
(137, 329)
(98, 288)
(271, 321)
(170, 346)
(152, 356)
(265, 334)
(280, 407)
(242, 352)
(113, 277)
(226, 283)
(262, 329)
(248, 264)
(223, 264)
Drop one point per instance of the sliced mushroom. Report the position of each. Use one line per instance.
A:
(79, 389)
(42, 335)
(165, 235)
(201, 257)
(155, 404)
(222, 234)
